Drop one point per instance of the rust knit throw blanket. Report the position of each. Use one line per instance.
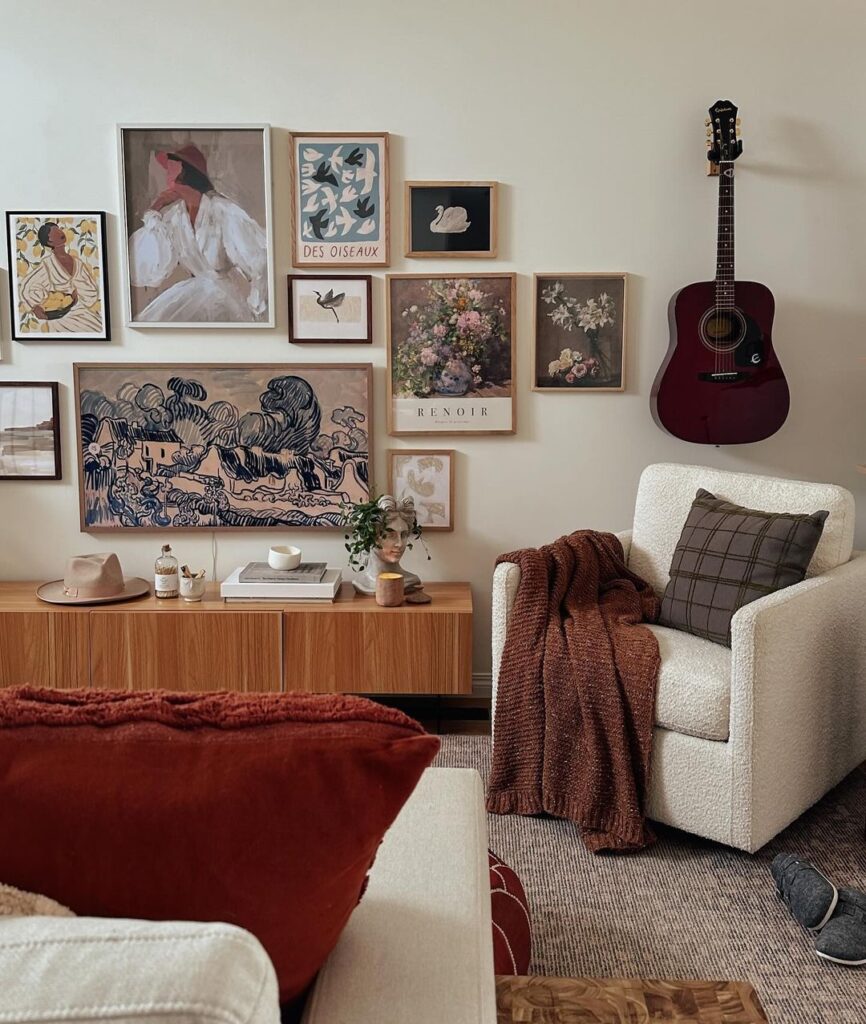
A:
(576, 696)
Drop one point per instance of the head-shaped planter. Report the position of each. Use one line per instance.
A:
(399, 521)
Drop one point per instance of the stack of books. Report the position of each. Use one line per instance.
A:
(257, 581)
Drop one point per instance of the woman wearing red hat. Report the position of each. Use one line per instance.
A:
(192, 226)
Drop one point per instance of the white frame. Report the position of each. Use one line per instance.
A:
(265, 129)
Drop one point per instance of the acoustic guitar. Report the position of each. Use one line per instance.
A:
(721, 381)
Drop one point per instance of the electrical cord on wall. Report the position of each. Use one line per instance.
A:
(213, 555)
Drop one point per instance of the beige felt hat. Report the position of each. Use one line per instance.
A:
(93, 579)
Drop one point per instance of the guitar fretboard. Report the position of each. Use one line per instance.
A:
(725, 243)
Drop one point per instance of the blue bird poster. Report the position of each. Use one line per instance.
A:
(340, 200)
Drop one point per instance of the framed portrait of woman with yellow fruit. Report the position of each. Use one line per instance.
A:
(57, 276)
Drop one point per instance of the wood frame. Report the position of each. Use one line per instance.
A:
(99, 216)
(600, 274)
(409, 252)
(393, 453)
(54, 387)
(291, 278)
(129, 320)
(481, 275)
(385, 192)
(301, 367)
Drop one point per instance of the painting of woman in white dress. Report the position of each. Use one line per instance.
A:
(197, 205)
(57, 273)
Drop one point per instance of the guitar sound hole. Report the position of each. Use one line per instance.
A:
(722, 330)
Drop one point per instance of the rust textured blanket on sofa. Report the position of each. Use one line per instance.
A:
(261, 810)
(576, 696)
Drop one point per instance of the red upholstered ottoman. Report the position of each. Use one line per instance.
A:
(512, 928)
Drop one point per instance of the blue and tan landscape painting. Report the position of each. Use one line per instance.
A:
(222, 446)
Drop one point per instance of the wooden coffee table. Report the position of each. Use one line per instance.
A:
(542, 1000)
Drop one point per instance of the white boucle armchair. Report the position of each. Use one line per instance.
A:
(746, 739)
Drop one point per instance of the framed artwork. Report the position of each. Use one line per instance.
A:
(450, 218)
(340, 199)
(451, 353)
(221, 447)
(58, 281)
(580, 332)
(331, 309)
(196, 204)
(29, 430)
(427, 476)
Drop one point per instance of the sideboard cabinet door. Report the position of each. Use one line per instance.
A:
(45, 648)
(220, 650)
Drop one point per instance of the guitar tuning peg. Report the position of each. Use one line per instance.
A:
(709, 132)
(707, 122)
(739, 121)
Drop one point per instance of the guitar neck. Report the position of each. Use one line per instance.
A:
(725, 241)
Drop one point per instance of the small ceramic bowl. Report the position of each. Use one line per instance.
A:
(284, 556)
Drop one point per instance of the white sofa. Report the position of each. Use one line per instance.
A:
(747, 739)
(419, 946)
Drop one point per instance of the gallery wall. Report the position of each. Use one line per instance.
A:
(589, 113)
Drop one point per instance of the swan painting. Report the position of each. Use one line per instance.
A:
(453, 221)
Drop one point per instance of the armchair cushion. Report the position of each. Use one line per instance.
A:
(694, 687)
(666, 492)
(728, 556)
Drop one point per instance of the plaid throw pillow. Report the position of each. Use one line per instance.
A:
(727, 556)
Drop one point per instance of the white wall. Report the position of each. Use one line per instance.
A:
(591, 115)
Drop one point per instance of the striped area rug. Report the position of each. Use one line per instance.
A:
(686, 908)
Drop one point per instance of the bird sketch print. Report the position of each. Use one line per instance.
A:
(330, 301)
(340, 199)
(214, 447)
(330, 308)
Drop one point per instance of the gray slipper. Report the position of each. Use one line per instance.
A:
(843, 940)
(809, 896)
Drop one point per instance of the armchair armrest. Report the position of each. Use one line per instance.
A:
(798, 696)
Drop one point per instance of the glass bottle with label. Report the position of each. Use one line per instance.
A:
(165, 574)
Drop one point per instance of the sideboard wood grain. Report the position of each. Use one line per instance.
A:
(348, 646)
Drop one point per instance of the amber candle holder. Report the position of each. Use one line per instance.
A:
(389, 589)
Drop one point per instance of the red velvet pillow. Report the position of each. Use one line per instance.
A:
(263, 810)
(512, 928)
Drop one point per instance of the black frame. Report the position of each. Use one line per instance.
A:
(54, 387)
(51, 338)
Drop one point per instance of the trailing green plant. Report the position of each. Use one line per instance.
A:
(367, 522)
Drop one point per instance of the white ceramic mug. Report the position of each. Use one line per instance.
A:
(192, 588)
(284, 556)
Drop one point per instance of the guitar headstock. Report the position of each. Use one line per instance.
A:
(723, 132)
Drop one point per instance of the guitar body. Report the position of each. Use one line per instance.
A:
(721, 381)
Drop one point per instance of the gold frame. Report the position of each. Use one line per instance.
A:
(393, 453)
(588, 274)
(478, 254)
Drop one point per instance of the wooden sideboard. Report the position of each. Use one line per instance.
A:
(348, 646)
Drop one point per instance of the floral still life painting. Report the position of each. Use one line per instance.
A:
(229, 446)
(451, 353)
(427, 477)
(580, 332)
(197, 216)
(340, 200)
(57, 276)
